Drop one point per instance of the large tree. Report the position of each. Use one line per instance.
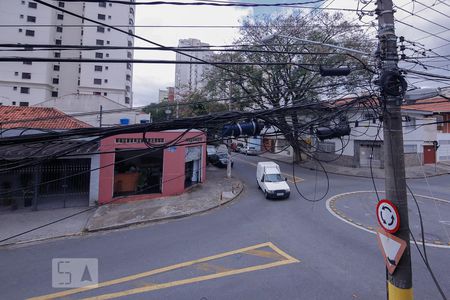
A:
(297, 79)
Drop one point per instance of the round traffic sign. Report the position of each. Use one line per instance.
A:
(387, 215)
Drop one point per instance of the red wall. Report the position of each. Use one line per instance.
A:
(173, 163)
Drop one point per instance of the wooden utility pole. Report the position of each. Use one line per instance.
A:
(393, 87)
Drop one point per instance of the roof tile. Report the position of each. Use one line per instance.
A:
(37, 117)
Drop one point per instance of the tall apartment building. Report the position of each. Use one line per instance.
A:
(189, 77)
(32, 23)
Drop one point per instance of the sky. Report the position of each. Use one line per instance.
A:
(148, 78)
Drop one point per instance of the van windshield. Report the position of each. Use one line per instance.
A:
(272, 178)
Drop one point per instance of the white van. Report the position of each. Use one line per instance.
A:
(270, 181)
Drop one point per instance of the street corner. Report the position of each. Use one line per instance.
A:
(358, 209)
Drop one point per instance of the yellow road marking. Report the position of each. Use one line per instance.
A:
(262, 253)
(212, 268)
(288, 260)
(188, 281)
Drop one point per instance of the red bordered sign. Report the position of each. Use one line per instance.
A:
(388, 216)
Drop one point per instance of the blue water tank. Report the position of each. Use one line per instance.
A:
(124, 121)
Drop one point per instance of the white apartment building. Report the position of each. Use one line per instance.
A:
(189, 77)
(32, 23)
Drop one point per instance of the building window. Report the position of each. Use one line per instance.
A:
(59, 29)
(97, 81)
(14, 103)
(131, 10)
(106, 80)
(58, 42)
(29, 32)
(105, 94)
(130, 44)
(60, 16)
(99, 42)
(31, 19)
(128, 88)
(129, 54)
(55, 94)
(56, 68)
(100, 29)
(127, 100)
(410, 148)
(101, 17)
(55, 80)
(16, 73)
(61, 4)
(23, 104)
(57, 54)
(98, 68)
(328, 147)
(32, 4)
(107, 54)
(26, 75)
(109, 29)
(24, 90)
(102, 4)
(109, 17)
(128, 66)
(97, 93)
(130, 21)
(106, 68)
(20, 29)
(128, 77)
(27, 63)
(107, 42)
(14, 88)
(98, 55)
(130, 31)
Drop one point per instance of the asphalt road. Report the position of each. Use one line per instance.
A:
(292, 249)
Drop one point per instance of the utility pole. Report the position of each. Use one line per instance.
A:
(229, 141)
(393, 87)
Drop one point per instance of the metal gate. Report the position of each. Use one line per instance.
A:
(54, 184)
(366, 154)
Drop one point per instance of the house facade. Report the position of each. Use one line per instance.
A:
(154, 165)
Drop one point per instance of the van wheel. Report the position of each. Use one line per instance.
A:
(266, 195)
(258, 185)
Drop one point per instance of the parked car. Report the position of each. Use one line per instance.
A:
(211, 153)
(222, 160)
(250, 150)
(270, 181)
(239, 147)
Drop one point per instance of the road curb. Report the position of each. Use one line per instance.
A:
(352, 175)
(331, 207)
(123, 225)
(85, 231)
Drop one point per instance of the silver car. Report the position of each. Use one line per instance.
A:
(250, 150)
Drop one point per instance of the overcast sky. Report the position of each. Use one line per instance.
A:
(148, 79)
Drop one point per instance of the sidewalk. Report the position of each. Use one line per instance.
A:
(411, 172)
(216, 191)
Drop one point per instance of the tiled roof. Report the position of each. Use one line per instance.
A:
(37, 117)
(436, 105)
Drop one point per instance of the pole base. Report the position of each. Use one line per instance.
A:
(395, 293)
